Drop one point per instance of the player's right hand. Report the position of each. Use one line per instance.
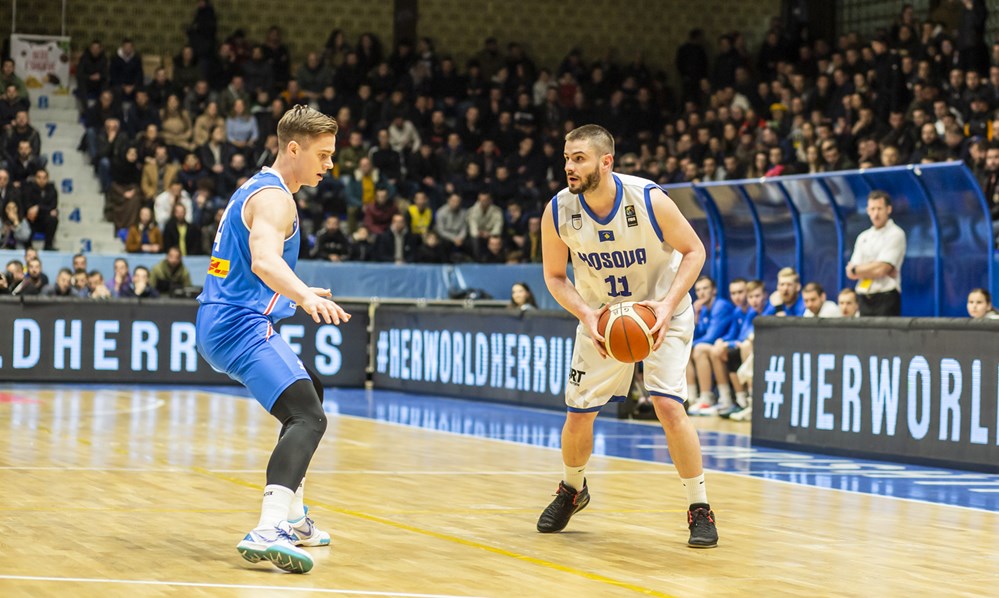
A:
(590, 320)
(322, 309)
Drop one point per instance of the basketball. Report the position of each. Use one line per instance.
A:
(625, 327)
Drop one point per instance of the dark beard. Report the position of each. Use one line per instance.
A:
(589, 183)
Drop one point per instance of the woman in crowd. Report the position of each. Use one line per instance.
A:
(521, 297)
(980, 305)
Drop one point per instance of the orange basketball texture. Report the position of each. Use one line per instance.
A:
(626, 341)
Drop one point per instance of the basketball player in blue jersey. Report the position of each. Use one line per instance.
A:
(627, 242)
(251, 285)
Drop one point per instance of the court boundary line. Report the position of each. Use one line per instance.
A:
(228, 586)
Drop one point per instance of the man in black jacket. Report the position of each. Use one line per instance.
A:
(396, 244)
(41, 202)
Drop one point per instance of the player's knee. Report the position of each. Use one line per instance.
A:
(316, 420)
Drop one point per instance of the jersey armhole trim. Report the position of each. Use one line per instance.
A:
(554, 204)
(242, 209)
(652, 213)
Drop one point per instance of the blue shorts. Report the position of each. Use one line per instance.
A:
(242, 344)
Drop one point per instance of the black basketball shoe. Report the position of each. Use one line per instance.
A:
(567, 503)
(701, 521)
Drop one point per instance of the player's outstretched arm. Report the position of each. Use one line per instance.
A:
(678, 234)
(269, 214)
(555, 255)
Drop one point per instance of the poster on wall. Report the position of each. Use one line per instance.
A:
(41, 60)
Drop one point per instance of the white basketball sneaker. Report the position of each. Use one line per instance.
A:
(277, 545)
(306, 533)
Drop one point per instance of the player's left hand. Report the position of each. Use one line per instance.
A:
(663, 315)
(321, 292)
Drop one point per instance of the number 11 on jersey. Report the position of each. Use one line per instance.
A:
(618, 286)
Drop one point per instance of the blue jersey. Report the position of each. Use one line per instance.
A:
(713, 322)
(230, 280)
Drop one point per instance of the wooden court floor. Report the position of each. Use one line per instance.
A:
(134, 493)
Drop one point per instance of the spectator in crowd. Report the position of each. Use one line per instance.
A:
(178, 232)
(176, 127)
(96, 289)
(362, 247)
(8, 78)
(124, 197)
(495, 251)
(125, 72)
(144, 236)
(81, 284)
(876, 263)
(980, 305)
(713, 319)
(41, 207)
(361, 184)
(92, 72)
(786, 300)
(21, 130)
(32, 282)
(396, 244)
(63, 285)
(10, 104)
(79, 262)
(432, 250)
(140, 114)
(451, 223)
(15, 232)
(485, 220)
(419, 216)
(241, 128)
(849, 307)
(140, 286)
(159, 172)
(332, 244)
(112, 143)
(164, 203)
(205, 123)
(122, 280)
(170, 275)
(816, 304)
(521, 297)
(24, 164)
(8, 191)
(378, 215)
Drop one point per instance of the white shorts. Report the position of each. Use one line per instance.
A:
(595, 381)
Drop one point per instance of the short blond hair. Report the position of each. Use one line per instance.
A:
(789, 272)
(303, 123)
(599, 137)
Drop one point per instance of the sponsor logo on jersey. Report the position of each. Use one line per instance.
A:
(218, 267)
(613, 259)
(577, 221)
(605, 235)
(629, 215)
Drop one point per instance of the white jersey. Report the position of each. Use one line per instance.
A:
(621, 257)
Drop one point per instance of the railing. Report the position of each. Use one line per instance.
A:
(752, 228)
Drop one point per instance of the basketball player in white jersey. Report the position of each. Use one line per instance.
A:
(628, 242)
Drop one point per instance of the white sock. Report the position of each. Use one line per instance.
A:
(696, 491)
(742, 398)
(724, 395)
(573, 476)
(706, 397)
(297, 509)
(277, 500)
